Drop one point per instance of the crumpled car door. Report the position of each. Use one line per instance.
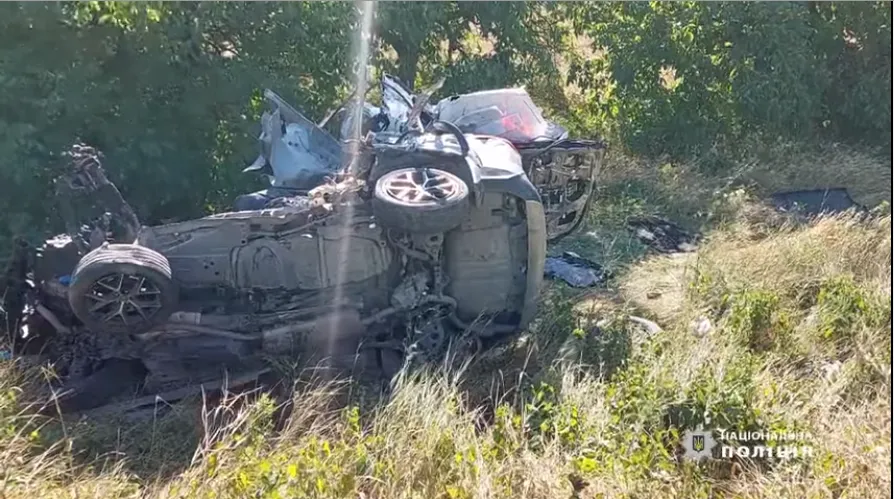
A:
(298, 153)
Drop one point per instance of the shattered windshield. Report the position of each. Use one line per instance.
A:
(506, 113)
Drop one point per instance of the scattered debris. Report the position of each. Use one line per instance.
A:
(701, 326)
(814, 202)
(650, 327)
(662, 235)
(578, 272)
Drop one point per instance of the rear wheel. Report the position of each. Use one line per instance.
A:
(123, 289)
(421, 200)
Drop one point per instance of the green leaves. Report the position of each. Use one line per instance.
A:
(773, 69)
(161, 89)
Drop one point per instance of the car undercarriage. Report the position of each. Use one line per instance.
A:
(420, 242)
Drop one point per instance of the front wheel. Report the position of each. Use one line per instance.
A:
(421, 200)
(122, 289)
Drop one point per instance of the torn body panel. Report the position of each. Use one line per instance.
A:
(295, 152)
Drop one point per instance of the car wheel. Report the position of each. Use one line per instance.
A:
(122, 289)
(421, 200)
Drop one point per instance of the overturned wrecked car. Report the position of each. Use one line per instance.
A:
(296, 157)
(428, 234)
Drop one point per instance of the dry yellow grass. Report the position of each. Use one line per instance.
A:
(866, 176)
(659, 285)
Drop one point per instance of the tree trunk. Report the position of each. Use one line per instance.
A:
(407, 59)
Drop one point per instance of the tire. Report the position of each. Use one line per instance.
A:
(124, 266)
(438, 201)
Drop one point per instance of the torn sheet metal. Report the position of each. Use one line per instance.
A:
(397, 101)
(299, 153)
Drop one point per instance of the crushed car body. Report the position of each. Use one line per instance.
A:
(563, 169)
(428, 235)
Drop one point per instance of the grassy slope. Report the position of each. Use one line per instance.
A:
(800, 340)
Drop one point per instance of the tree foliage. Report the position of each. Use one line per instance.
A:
(433, 39)
(683, 76)
(164, 90)
(171, 91)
